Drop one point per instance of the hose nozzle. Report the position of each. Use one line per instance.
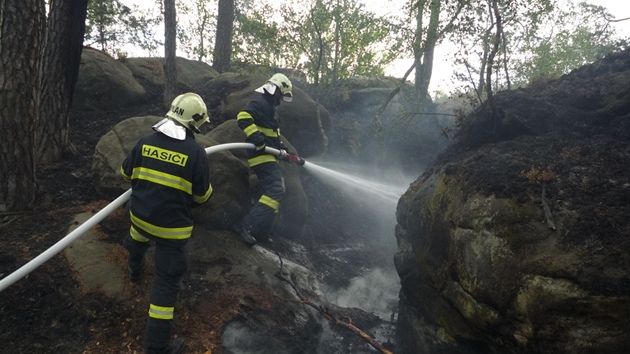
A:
(283, 155)
(295, 159)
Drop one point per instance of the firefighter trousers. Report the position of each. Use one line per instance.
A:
(171, 263)
(261, 217)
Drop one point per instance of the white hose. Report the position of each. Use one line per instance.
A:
(98, 217)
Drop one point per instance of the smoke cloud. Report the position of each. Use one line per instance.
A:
(375, 292)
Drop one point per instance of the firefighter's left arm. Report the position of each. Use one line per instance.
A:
(247, 123)
(126, 169)
(202, 188)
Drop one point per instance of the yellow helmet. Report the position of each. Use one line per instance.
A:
(280, 81)
(189, 110)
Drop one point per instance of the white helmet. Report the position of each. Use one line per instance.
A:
(189, 110)
(278, 81)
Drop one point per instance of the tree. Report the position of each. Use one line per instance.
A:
(337, 39)
(423, 47)
(425, 39)
(195, 28)
(498, 23)
(582, 35)
(59, 72)
(110, 25)
(539, 41)
(21, 29)
(170, 48)
(103, 26)
(222, 53)
(258, 39)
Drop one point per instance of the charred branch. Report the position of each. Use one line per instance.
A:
(547, 210)
(344, 323)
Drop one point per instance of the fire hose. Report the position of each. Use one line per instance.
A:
(118, 202)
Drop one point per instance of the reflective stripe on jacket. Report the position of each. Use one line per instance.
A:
(168, 178)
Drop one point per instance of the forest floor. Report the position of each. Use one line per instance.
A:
(46, 312)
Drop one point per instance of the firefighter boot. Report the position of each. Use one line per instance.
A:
(245, 234)
(176, 346)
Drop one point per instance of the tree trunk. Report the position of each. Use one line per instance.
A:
(222, 53)
(59, 73)
(493, 52)
(20, 39)
(426, 50)
(170, 45)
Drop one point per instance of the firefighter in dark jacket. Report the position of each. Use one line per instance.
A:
(259, 122)
(169, 175)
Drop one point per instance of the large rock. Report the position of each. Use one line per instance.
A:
(294, 211)
(108, 84)
(234, 286)
(516, 239)
(191, 74)
(105, 84)
(229, 175)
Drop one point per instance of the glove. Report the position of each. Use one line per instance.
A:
(286, 149)
(258, 139)
(282, 155)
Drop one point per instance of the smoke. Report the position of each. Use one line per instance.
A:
(375, 292)
(237, 338)
(385, 185)
(371, 196)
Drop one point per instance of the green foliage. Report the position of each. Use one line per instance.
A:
(334, 40)
(581, 35)
(536, 176)
(542, 40)
(256, 40)
(329, 40)
(196, 24)
(110, 25)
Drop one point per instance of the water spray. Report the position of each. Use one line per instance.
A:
(118, 202)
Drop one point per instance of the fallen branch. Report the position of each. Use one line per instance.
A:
(8, 217)
(347, 324)
(548, 215)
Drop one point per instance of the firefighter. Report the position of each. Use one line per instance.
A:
(169, 175)
(259, 122)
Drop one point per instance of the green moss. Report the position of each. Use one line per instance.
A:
(448, 330)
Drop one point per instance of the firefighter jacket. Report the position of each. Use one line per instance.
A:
(168, 178)
(260, 123)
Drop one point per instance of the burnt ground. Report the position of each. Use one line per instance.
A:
(46, 312)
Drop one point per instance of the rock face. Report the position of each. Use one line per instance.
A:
(190, 73)
(106, 84)
(516, 239)
(232, 284)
